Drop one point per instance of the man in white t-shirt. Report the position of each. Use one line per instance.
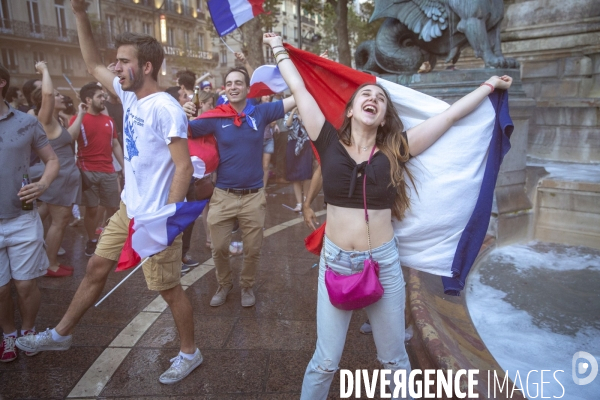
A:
(158, 170)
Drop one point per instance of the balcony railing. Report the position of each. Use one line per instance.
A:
(38, 31)
(147, 3)
(307, 20)
(178, 8)
(5, 24)
(51, 33)
(171, 6)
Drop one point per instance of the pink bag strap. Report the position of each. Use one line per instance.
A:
(365, 199)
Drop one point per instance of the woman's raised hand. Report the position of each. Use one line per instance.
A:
(40, 66)
(78, 5)
(500, 82)
(272, 39)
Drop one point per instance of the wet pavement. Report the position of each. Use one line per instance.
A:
(121, 347)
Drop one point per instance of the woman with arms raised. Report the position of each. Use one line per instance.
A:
(373, 134)
(66, 188)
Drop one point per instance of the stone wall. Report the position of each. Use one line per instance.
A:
(557, 43)
(568, 212)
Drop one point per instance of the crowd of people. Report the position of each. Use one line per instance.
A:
(131, 156)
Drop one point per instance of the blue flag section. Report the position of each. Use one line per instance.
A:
(228, 15)
(474, 234)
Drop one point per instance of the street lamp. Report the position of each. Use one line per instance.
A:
(163, 28)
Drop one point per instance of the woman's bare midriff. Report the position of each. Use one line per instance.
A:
(346, 227)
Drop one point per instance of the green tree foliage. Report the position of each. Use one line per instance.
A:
(269, 18)
(356, 27)
(359, 28)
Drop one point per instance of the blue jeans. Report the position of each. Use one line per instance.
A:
(386, 317)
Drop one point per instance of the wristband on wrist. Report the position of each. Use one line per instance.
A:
(281, 59)
(488, 84)
(280, 52)
(278, 45)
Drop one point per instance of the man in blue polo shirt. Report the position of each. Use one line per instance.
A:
(239, 193)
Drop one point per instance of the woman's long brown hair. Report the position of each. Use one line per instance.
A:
(390, 142)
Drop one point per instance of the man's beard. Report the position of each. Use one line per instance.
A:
(98, 109)
(137, 83)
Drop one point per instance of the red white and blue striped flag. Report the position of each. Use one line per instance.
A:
(444, 228)
(204, 154)
(228, 15)
(266, 80)
(151, 233)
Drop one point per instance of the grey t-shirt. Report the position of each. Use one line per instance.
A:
(20, 133)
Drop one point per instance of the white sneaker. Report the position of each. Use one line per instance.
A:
(42, 342)
(180, 368)
(61, 251)
(236, 248)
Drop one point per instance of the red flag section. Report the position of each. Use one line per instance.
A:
(129, 257)
(331, 84)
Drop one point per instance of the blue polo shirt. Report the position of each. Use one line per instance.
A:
(240, 148)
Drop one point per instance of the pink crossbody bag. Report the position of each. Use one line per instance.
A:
(351, 292)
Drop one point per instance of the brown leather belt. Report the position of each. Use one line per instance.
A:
(241, 192)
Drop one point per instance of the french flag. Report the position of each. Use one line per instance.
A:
(151, 233)
(266, 80)
(228, 15)
(204, 154)
(450, 207)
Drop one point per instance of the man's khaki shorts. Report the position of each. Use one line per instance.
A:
(102, 189)
(162, 271)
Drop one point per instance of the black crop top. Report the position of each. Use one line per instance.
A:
(342, 177)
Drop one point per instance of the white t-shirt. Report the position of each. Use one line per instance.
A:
(148, 126)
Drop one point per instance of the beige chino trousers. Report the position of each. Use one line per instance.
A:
(250, 211)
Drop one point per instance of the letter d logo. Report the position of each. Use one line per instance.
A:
(582, 367)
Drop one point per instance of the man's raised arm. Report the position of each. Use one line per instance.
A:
(92, 58)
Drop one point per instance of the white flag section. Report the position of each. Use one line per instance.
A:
(266, 80)
(156, 231)
(448, 179)
(151, 233)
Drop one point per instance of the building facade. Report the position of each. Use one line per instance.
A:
(33, 30)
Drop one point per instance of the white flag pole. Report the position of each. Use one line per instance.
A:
(225, 43)
(119, 284)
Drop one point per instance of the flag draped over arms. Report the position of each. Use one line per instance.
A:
(444, 228)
